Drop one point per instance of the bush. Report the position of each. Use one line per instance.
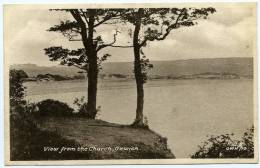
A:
(81, 104)
(53, 108)
(82, 110)
(225, 146)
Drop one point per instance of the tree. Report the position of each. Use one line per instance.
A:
(84, 28)
(152, 24)
(16, 90)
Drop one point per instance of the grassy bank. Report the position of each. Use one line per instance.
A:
(79, 138)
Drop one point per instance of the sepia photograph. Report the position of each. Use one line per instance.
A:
(147, 83)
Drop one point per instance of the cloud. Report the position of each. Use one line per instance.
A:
(228, 33)
(230, 15)
(208, 39)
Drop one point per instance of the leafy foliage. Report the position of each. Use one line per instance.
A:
(145, 66)
(248, 143)
(69, 29)
(16, 90)
(79, 30)
(157, 23)
(225, 146)
(77, 58)
(53, 108)
(102, 59)
(81, 103)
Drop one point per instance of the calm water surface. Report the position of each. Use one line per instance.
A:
(184, 111)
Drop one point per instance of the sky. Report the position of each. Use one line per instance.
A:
(230, 32)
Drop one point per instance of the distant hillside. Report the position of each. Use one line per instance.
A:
(33, 70)
(238, 66)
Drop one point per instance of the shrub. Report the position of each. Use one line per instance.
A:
(83, 108)
(225, 146)
(53, 108)
(81, 104)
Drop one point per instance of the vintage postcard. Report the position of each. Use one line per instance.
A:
(130, 83)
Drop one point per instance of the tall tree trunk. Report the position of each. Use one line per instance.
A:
(92, 86)
(93, 67)
(138, 74)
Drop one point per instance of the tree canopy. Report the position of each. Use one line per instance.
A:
(83, 28)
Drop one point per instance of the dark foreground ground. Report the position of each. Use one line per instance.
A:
(79, 138)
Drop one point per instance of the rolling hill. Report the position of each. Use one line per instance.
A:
(238, 66)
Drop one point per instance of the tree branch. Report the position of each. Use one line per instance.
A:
(121, 46)
(168, 30)
(106, 18)
(78, 67)
(77, 17)
(84, 15)
(109, 44)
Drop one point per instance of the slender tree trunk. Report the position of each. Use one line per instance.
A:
(138, 75)
(93, 68)
(92, 86)
(140, 93)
